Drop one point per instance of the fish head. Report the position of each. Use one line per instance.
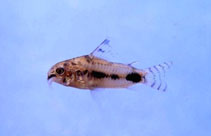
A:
(60, 73)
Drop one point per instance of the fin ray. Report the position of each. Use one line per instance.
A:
(104, 51)
(155, 76)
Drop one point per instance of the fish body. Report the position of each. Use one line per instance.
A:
(90, 72)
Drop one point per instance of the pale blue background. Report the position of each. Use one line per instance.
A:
(35, 34)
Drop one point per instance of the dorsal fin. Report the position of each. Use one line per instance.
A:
(103, 51)
(130, 64)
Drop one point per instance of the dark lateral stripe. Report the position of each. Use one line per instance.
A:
(97, 74)
(114, 76)
(134, 77)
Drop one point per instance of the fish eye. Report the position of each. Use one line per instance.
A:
(60, 71)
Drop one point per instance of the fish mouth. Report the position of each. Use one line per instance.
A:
(50, 76)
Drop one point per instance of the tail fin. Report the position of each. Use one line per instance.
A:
(155, 76)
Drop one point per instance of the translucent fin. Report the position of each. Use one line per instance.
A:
(103, 51)
(155, 76)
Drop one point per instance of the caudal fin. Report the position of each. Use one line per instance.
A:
(155, 76)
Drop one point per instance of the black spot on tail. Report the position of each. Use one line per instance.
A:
(114, 76)
(134, 77)
(98, 74)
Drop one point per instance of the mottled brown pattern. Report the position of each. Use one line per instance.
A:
(87, 73)
(88, 59)
(92, 71)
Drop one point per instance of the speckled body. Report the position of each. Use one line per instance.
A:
(87, 72)
(93, 71)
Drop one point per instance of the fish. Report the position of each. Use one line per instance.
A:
(92, 71)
